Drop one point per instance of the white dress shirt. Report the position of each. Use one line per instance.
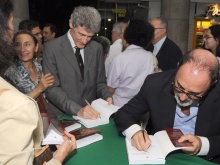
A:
(74, 45)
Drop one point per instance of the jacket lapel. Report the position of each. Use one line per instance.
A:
(207, 112)
(167, 106)
(163, 47)
(69, 54)
(88, 56)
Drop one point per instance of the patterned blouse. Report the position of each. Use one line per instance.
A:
(19, 77)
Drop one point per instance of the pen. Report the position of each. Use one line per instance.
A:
(142, 129)
(90, 106)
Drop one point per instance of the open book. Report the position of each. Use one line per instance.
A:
(83, 137)
(161, 146)
(105, 110)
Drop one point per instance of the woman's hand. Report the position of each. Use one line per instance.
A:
(65, 148)
(47, 80)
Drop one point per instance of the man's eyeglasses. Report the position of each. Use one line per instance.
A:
(191, 96)
(39, 33)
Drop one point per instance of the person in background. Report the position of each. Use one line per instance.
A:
(26, 74)
(105, 44)
(186, 98)
(21, 125)
(34, 28)
(212, 40)
(167, 52)
(78, 66)
(49, 32)
(129, 69)
(116, 47)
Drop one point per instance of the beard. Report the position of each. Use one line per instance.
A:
(185, 103)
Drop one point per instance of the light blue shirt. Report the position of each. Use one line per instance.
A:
(158, 45)
(186, 123)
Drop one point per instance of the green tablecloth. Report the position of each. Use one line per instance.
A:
(112, 151)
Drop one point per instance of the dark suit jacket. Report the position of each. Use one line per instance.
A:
(156, 97)
(70, 90)
(168, 56)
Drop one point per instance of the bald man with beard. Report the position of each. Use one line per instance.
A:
(187, 98)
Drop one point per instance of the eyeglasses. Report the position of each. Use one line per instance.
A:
(159, 28)
(39, 33)
(191, 96)
(207, 37)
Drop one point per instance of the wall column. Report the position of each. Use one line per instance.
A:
(177, 15)
(21, 11)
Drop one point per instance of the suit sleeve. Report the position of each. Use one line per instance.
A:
(55, 94)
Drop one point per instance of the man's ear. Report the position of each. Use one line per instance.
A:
(70, 23)
(53, 34)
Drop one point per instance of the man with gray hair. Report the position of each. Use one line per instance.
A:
(78, 65)
(167, 52)
(116, 47)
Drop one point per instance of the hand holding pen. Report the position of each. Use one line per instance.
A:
(92, 108)
(88, 112)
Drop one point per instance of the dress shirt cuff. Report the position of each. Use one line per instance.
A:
(129, 132)
(205, 146)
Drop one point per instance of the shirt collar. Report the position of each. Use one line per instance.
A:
(160, 43)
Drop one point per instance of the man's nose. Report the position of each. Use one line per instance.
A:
(85, 40)
(183, 97)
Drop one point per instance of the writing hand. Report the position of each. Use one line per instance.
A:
(88, 112)
(196, 142)
(138, 141)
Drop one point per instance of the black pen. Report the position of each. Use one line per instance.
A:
(143, 129)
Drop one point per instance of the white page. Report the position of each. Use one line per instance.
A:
(88, 140)
(165, 142)
(105, 110)
(88, 123)
(54, 136)
(153, 155)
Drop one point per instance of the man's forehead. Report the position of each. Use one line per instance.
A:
(36, 29)
(85, 31)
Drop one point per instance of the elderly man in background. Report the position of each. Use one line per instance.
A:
(167, 52)
(78, 66)
(116, 47)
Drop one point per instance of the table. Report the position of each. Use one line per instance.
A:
(112, 151)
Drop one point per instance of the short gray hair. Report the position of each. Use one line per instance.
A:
(163, 22)
(88, 17)
(117, 27)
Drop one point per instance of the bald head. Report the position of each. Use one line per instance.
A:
(201, 64)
